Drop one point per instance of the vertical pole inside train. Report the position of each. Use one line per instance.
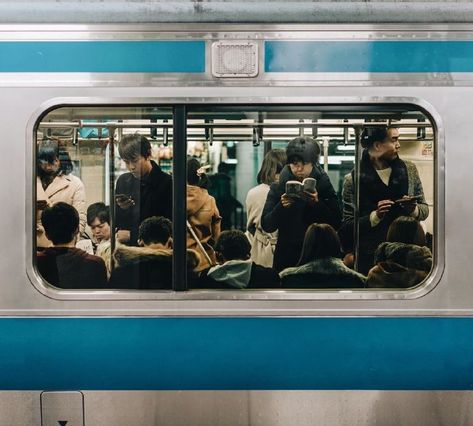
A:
(356, 203)
(111, 189)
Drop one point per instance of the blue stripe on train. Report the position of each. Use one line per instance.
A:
(369, 56)
(103, 56)
(236, 353)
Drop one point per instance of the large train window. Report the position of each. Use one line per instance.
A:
(235, 197)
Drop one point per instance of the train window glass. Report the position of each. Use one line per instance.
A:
(104, 197)
(309, 197)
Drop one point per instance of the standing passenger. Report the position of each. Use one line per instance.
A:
(202, 215)
(55, 183)
(292, 216)
(263, 243)
(385, 179)
(143, 192)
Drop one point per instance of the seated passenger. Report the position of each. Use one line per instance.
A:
(236, 270)
(403, 261)
(63, 265)
(149, 266)
(202, 216)
(320, 265)
(98, 219)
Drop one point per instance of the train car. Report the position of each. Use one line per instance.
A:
(226, 87)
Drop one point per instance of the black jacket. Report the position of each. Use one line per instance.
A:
(152, 196)
(292, 222)
(72, 268)
(143, 268)
(238, 274)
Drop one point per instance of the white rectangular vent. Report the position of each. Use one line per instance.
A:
(234, 59)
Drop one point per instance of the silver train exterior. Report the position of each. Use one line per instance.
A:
(237, 358)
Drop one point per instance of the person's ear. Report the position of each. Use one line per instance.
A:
(140, 242)
(169, 243)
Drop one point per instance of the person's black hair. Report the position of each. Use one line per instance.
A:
(303, 149)
(273, 163)
(193, 165)
(233, 245)
(49, 150)
(406, 229)
(320, 241)
(100, 211)
(131, 147)
(60, 222)
(155, 230)
(373, 134)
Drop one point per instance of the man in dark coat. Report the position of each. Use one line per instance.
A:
(291, 216)
(149, 266)
(63, 265)
(143, 192)
(235, 269)
(385, 182)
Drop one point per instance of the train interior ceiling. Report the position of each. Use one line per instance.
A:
(232, 140)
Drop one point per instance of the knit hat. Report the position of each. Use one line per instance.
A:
(305, 149)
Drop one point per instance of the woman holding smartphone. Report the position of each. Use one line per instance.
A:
(389, 187)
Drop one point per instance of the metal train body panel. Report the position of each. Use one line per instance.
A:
(289, 357)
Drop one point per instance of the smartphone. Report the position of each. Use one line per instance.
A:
(407, 200)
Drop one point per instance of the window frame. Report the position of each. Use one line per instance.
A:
(179, 181)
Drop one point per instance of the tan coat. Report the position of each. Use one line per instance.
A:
(204, 217)
(64, 188)
(262, 243)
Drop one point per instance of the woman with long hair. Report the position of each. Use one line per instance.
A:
(320, 264)
(263, 243)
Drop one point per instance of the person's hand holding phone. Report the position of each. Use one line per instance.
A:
(383, 207)
(124, 201)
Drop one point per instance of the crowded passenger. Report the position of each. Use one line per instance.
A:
(388, 188)
(62, 264)
(55, 183)
(235, 269)
(291, 216)
(98, 219)
(149, 266)
(143, 192)
(320, 264)
(263, 243)
(402, 261)
(203, 218)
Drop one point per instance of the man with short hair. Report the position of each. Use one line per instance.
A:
(149, 266)
(63, 265)
(235, 269)
(143, 192)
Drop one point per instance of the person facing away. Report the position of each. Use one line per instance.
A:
(143, 192)
(149, 266)
(55, 183)
(402, 261)
(63, 265)
(385, 180)
(320, 264)
(235, 269)
(202, 215)
(98, 219)
(292, 216)
(263, 243)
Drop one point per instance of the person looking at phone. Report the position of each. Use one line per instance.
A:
(389, 187)
(143, 192)
(290, 215)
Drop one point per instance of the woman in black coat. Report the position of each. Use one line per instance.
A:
(292, 216)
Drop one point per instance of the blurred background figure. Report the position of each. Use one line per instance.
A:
(263, 243)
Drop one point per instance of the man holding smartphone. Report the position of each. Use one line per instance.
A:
(143, 192)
